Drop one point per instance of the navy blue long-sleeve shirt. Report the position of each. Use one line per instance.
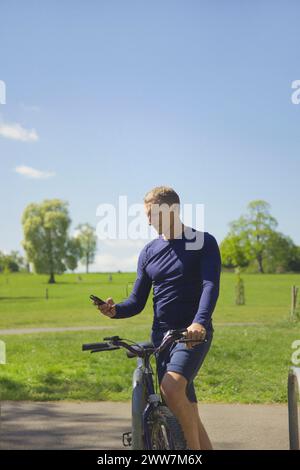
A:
(185, 282)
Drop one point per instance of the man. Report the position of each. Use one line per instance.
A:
(185, 290)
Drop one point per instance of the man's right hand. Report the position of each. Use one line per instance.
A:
(108, 308)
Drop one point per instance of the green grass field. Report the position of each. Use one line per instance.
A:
(246, 364)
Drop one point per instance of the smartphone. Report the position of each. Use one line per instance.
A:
(96, 299)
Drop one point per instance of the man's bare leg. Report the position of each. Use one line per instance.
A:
(173, 387)
(205, 442)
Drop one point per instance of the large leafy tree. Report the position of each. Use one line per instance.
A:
(259, 228)
(87, 238)
(46, 239)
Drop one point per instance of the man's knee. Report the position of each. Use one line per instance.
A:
(173, 386)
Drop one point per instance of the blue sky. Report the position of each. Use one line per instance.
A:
(109, 98)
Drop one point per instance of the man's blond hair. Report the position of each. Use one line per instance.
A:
(162, 195)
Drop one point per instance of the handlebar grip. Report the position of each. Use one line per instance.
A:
(90, 346)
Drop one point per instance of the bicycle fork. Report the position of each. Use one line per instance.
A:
(144, 399)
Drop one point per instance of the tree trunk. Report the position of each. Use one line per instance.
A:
(260, 265)
(87, 265)
(51, 278)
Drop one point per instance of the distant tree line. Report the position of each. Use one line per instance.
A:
(12, 262)
(252, 244)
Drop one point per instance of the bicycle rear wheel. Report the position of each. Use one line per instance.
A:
(165, 430)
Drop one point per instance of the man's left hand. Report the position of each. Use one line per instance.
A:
(196, 332)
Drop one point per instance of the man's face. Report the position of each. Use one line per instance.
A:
(160, 217)
(153, 216)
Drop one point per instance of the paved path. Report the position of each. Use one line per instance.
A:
(22, 331)
(99, 425)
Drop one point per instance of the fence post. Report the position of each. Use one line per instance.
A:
(294, 294)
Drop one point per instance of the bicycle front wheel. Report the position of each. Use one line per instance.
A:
(165, 430)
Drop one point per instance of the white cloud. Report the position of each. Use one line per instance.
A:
(107, 262)
(32, 172)
(123, 243)
(16, 132)
(115, 255)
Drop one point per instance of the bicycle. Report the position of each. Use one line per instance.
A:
(154, 426)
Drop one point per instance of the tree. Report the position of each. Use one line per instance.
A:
(12, 262)
(234, 252)
(282, 254)
(251, 235)
(88, 243)
(1, 261)
(73, 253)
(46, 241)
(260, 227)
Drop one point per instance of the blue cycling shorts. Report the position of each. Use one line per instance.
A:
(178, 358)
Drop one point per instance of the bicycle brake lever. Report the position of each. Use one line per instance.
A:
(112, 338)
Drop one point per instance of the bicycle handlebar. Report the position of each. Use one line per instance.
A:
(98, 347)
(115, 342)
